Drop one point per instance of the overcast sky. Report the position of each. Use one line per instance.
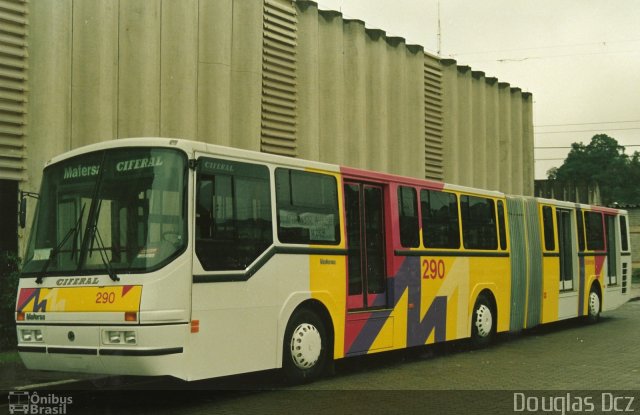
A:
(579, 58)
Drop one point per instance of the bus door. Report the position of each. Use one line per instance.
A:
(366, 249)
(612, 250)
(565, 249)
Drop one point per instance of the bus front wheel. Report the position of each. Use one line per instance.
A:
(304, 354)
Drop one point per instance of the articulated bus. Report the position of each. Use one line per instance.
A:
(154, 256)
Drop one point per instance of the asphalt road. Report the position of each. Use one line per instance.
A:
(594, 367)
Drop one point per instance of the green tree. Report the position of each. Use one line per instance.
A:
(603, 162)
(9, 274)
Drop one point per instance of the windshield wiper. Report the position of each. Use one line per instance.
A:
(54, 252)
(95, 236)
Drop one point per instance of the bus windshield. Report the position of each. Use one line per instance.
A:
(124, 206)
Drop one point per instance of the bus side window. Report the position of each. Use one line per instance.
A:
(623, 233)
(595, 231)
(204, 208)
(307, 206)
(547, 225)
(408, 217)
(478, 223)
(502, 229)
(440, 225)
(233, 214)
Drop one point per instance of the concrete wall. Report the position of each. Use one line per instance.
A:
(268, 75)
(106, 69)
(360, 93)
(14, 65)
(488, 136)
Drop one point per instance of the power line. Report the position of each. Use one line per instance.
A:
(568, 55)
(566, 147)
(586, 123)
(603, 43)
(586, 131)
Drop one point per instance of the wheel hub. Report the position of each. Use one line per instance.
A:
(484, 320)
(594, 304)
(306, 346)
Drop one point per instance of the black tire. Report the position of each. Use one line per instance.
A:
(594, 305)
(305, 347)
(483, 322)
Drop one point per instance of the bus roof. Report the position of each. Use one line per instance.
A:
(193, 147)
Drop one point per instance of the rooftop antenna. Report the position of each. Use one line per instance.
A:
(439, 32)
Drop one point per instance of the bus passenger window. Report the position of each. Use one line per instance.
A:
(547, 224)
(440, 226)
(502, 229)
(408, 217)
(478, 223)
(595, 231)
(623, 233)
(307, 206)
(233, 214)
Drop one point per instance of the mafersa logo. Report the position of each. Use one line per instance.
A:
(80, 171)
(34, 403)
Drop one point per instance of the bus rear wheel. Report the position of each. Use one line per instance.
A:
(593, 307)
(483, 322)
(305, 347)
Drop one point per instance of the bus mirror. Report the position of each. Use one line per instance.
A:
(23, 212)
(22, 215)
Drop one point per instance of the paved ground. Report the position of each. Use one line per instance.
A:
(570, 362)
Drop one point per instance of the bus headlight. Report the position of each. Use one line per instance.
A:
(31, 336)
(119, 337)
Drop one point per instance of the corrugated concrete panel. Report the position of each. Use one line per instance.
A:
(139, 68)
(434, 152)
(179, 69)
(528, 163)
(479, 125)
(269, 75)
(94, 93)
(396, 105)
(516, 142)
(13, 89)
(49, 116)
(331, 85)
(308, 93)
(415, 117)
(355, 93)
(488, 139)
(215, 29)
(493, 134)
(246, 74)
(450, 129)
(377, 100)
(465, 160)
(504, 103)
(279, 79)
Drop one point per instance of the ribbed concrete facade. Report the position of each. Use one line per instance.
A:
(13, 89)
(268, 75)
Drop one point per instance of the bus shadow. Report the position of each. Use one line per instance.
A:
(126, 394)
